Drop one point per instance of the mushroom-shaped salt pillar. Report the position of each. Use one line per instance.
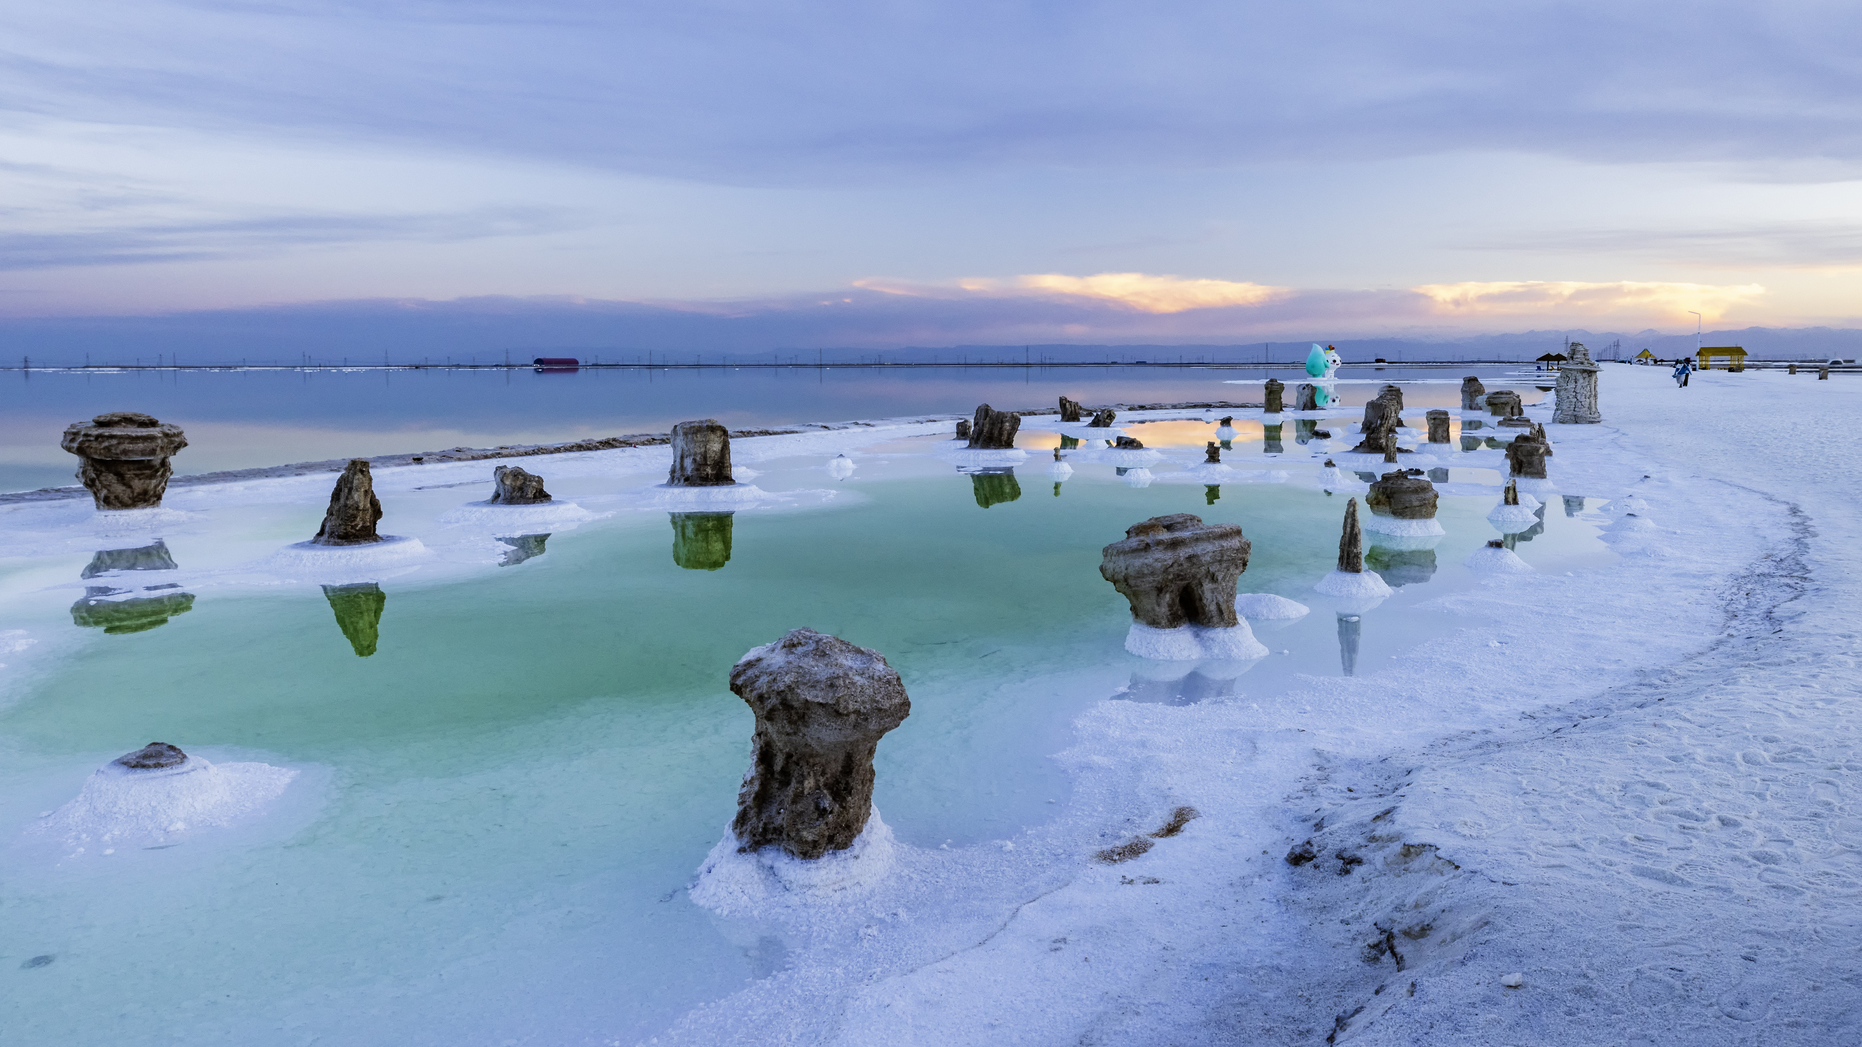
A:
(1178, 574)
(821, 706)
(1403, 505)
(124, 458)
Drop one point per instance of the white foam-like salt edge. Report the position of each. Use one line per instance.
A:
(983, 456)
(1401, 542)
(1401, 528)
(1336, 479)
(1060, 470)
(1346, 585)
(1534, 487)
(121, 804)
(1225, 432)
(1490, 560)
(131, 523)
(1127, 458)
(1510, 518)
(732, 882)
(1194, 642)
(509, 519)
(347, 560)
(1139, 477)
(665, 496)
(840, 467)
(1268, 606)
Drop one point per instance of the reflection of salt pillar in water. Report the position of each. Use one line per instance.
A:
(358, 613)
(154, 557)
(1303, 429)
(1350, 626)
(701, 541)
(1574, 504)
(98, 611)
(1212, 493)
(523, 547)
(701, 455)
(821, 706)
(994, 486)
(1270, 440)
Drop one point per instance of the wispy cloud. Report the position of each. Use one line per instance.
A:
(1550, 299)
(1143, 292)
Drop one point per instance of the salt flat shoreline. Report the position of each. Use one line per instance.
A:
(605, 443)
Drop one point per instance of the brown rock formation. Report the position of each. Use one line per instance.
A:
(1102, 418)
(1403, 496)
(1351, 541)
(124, 458)
(963, 429)
(1275, 390)
(1212, 455)
(1525, 456)
(701, 455)
(993, 429)
(1176, 570)
(1504, 403)
(154, 756)
(1438, 427)
(1128, 443)
(1070, 410)
(821, 706)
(354, 510)
(517, 487)
(1306, 395)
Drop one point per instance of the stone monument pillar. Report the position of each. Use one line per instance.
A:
(1577, 389)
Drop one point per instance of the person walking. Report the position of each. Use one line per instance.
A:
(1683, 368)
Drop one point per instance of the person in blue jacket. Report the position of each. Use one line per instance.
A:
(1683, 368)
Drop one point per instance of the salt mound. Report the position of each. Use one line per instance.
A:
(122, 804)
(732, 882)
(1349, 586)
(1490, 559)
(840, 467)
(1138, 477)
(1511, 518)
(1060, 470)
(331, 561)
(1266, 606)
(982, 457)
(1401, 528)
(725, 496)
(1194, 642)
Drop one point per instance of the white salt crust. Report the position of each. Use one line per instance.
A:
(731, 882)
(981, 457)
(666, 496)
(346, 561)
(1401, 528)
(840, 467)
(1267, 606)
(1511, 518)
(513, 519)
(1138, 478)
(121, 805)
(1348, 586)
(1194, 642)
(1060, 470)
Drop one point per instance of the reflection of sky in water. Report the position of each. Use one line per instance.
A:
(527, 763)
(242, 419)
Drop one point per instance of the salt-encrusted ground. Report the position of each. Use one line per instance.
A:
(1633, 787)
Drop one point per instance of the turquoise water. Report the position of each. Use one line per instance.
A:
(501, 806)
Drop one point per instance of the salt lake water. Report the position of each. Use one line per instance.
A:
(501, 802)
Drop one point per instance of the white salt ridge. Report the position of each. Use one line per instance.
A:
(1127, 458)
(666, 496)
(132, 523)
(121, 805)
(1401, 528)
(1402, 541)
(982, 457)
(1489, 560)
(1138, 478)
(1264, 606)
(1194, 642)
(735, 883)
(513, 519)
(1060, 470)
(346, 562)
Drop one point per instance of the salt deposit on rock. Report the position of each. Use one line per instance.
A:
(1402, 504)
(1577, 389)
(124, 458)
(1103, 418)
(1504, 403)
(734, 882)
(1349, 580)
(821, 706)
(1194, 643)
(1176, 570)
(1473, 394)
(159, 793)
(1496, 558)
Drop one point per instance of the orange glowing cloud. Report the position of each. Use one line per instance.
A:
(1141, 291)
(1539, 297)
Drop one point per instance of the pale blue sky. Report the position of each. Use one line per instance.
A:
(1536, 165)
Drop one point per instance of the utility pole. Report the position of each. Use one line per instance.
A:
(1696, 334)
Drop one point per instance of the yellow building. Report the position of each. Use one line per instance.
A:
(1735, 357)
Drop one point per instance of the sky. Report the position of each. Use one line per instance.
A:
(894, 173)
